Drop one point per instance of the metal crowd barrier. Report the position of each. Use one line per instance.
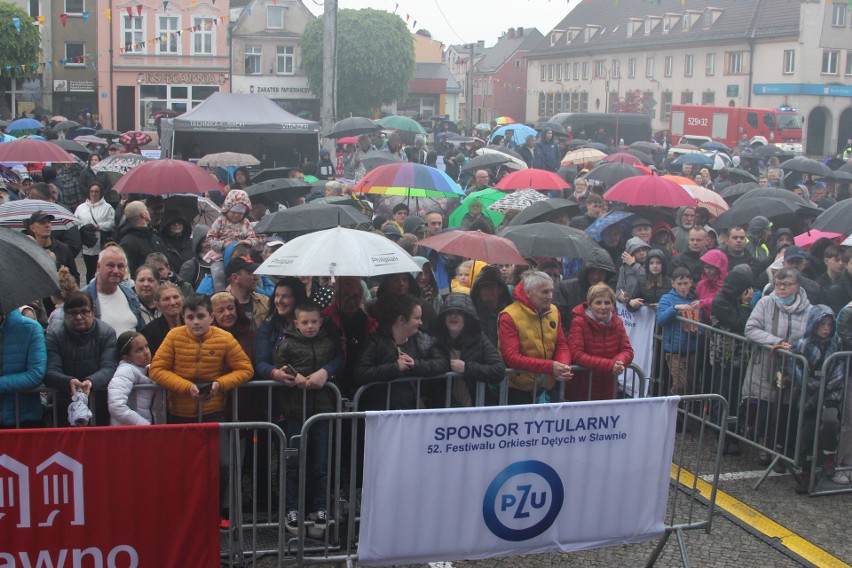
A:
(47, 400)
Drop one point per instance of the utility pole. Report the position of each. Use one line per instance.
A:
(328, 107)
(470, 125)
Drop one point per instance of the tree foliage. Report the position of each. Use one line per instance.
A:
(375, 59)
(18, 48)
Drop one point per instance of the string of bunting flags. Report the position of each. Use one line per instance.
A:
(90, 58)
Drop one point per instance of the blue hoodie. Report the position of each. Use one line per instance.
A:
(265, 286)
(675, 338)
(816, 350)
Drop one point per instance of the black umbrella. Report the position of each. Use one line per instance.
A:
(544, 210)
(311, 217)
(766, 152)
(28, 273)
(643, 145)
(558, 129)
(352, 126)
(279, 190)
(805, 165)
(610, 173)
(549, 239)
(270, 173)
(845, 168)
(643, 156)
(65, 125)
(739, 174)
(568, 173)
(73, 147)
(737, 190)
(576, 143)
(107, 133)
(487, 161)
(375, 158)
(777, 205)
(502, 149)
(836, 219)
(839, 175)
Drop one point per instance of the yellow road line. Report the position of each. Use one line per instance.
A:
(761, 523)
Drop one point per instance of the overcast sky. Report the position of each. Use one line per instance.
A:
(464, 21)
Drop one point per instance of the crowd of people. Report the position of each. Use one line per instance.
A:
(167, 302)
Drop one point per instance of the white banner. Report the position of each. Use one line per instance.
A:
(640, 331)
(502, 481)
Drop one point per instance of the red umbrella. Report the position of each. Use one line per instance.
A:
(476, 245)
(348, 140)
(623, 158)
(141, 138)
(30, 150)
(541, 180)
(650, 190)
(807, 240)
(160, 177)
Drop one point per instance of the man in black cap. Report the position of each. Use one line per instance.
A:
(39, 227)
(797, 258)
(242, 284)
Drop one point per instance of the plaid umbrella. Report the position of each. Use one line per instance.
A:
(410, 180)
(517, 201)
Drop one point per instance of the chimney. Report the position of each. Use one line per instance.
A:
(480, 43)
(510, 33)
(519, 31)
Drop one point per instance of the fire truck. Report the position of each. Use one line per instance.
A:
(781, 126)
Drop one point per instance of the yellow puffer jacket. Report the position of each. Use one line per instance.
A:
(184, 359)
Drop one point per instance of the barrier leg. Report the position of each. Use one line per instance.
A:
(658, 549)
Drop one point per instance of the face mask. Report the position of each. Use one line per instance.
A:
(786, 301)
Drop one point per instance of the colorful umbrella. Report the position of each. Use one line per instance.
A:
(24, 124)
(131, 136)
(395, 122)
(807, 240)
(160, 177)
(650, 190)
(582, 155)
(517, 201)
(521, 131)
(486, 197)
(29, 150)
(475, 245)
(540, 180)
(408, 179)
(15, 214)
(228, 159)
(503, 120)
(601, 224)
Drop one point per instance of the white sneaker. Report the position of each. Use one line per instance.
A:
(842, 478)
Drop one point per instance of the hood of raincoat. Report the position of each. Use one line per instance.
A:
(756, 226)
(236, 197)
(815, 314)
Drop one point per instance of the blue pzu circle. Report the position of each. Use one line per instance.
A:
(530, 504)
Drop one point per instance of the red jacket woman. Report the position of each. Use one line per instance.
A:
(598, 342)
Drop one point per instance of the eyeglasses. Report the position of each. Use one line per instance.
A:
(74, 314)
(785, 284)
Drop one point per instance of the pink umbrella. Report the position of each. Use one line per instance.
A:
(624, 158)
(348, 140)
(161, 177)
(476, 245)
(650, 190)
(31, 150)
(807, 240)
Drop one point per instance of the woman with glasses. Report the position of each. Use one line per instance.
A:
(81, 355)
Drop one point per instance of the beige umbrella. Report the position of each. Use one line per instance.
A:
(582, 155)
(228, 159)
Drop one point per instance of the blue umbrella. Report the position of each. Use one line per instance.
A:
(715, 146)
(521, 131)
(24, 124)
(602, 223)
(6, 138)
(695, 159)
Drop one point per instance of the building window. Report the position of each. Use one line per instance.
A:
(649, 67)
(647, 26)
(35, 8)
(285, 60)
(789, 61)
(75, 54)
(686, 97)
(735, 62)
(585, 69)
(666, 108)
(543, 72)
(615, 69)
(132, 33)
(710, 67)
(830, 61)
(576, 71)
(550, 72)
(75, 6)
(631, 67)
(600, 70)
(549, 105)
(169, 41)
(708, 98)
(558, 71)
(181, 98)
(275, 17)
(517, 63)
(849, 63)
(254, 60)
(688, 65)
(203, 42)
(838, 14)
(541, 104)
(669, 66)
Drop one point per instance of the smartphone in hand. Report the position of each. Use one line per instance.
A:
(204, 388)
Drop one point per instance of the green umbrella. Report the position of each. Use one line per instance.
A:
(402, 123)
(484, 196)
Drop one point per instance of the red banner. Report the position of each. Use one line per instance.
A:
(122, 497)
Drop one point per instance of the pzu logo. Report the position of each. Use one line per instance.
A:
(523, 500)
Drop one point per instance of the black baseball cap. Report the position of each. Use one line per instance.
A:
(240, 263)
(40, 216)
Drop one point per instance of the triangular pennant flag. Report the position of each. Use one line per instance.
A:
(63, 18)
(165, 5)
(40, 20)
(108, 13)
(250, 9)
(17, 23)
(129, 11)
(85, 16)
(414, 25)
(139, 9)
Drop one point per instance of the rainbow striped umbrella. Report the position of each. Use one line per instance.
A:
(410, 180)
